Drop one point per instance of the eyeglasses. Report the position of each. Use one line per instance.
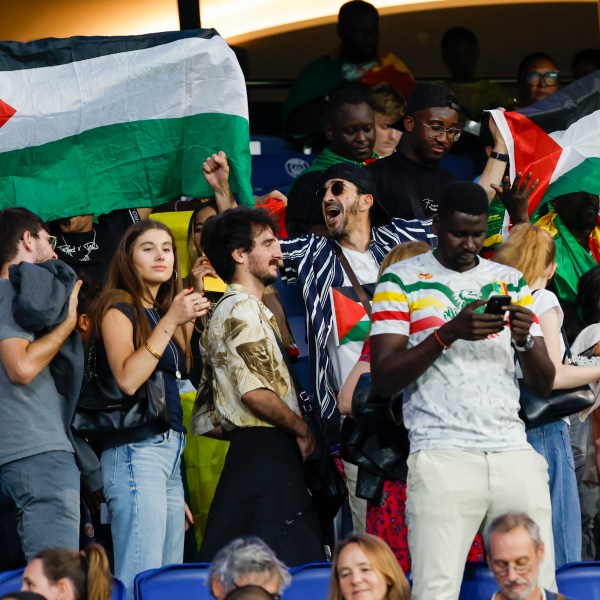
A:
(337, 187)
(52, 239)
(436, 131)
(503, 568)
(536, 77)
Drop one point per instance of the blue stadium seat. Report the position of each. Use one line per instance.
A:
(184, 582)
(579, 581)
(119, 592)
(277, 171)
(10, 581)
(309, 581)
(478, 582)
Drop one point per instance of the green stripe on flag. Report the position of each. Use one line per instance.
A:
(128, 165)
(585, 177)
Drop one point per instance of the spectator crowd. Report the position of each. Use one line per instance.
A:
(385, 247)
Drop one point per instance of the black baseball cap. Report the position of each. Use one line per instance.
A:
(355, 174)
(362, 178)
(428, 95)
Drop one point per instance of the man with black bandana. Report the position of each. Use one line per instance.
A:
(410, 181)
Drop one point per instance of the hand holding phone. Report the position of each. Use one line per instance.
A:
(497, 305)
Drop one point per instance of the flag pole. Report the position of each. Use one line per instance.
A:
(189, 14)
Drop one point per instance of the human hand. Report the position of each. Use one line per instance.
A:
(521, 319)
(516, 197)
(471, 325)
(201, 269)
(216, 171)
(499, 143)
(189, 517)
(272, 194)
(71, 318)
(188, 306)
(306, 442)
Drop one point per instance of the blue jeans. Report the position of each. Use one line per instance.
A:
(45, 490)
(144, 492)
(552, 441)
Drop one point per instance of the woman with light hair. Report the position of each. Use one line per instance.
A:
(531, 250)
(364, 564)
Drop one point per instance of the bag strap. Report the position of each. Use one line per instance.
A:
(362, 296)
(302, 396)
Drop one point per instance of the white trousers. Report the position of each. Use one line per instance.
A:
(453, 494)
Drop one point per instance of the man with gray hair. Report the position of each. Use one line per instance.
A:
(247, 561)
(515, 550)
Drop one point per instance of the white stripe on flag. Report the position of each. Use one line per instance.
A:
(174, 80)
(579, 141)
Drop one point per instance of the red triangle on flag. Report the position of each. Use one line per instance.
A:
(535, 151)
(348, 312)
(6, 112)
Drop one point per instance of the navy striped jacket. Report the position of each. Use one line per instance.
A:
(310, 261)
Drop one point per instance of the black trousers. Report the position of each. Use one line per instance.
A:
(262, 492)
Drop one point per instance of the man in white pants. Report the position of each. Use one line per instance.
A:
(470, 460)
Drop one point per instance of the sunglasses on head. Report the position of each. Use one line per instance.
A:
(337, 188)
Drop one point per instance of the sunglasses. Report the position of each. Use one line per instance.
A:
(536, 77)
(52, 239)
(337, 188)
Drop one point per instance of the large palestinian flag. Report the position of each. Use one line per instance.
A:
(91, 124)
(558, 140)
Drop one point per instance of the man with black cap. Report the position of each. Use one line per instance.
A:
(431, 337)
(410, 181)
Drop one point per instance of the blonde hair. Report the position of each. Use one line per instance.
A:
(530, 249)
(382, 559)
(402, 252)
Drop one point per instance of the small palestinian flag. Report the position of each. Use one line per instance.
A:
(92, 124)
(350, 318)
(558, 140)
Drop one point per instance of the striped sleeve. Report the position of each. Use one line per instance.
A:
(390, 306)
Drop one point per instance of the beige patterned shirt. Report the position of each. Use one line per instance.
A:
(240, 348)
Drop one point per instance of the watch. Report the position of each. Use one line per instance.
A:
(526, 345)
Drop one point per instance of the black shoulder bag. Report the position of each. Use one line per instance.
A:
(538, 410)
(104, 410)
(323, 478)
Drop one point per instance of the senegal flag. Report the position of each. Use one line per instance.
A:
(558, 140)
(91, 124)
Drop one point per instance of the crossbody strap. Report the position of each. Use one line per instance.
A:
(360, 292)
(303, 398)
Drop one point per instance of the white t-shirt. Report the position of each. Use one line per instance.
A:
(468, 399)
(345, 354)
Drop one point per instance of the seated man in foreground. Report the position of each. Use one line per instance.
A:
(515, 550)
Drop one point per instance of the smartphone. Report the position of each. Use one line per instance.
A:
(495, 305)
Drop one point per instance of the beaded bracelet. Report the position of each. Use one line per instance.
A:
(439, 340)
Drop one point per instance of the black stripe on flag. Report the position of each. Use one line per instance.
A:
(16, 56)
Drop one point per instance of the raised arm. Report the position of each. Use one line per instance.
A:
(216, 172)
(494, 168)
(131, 367)
(25, 360)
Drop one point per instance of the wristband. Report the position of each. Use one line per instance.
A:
(499, 156)
(152, 351)
(439, 340)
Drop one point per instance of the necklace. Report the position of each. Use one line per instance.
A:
(155, 319)
(70, 251)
